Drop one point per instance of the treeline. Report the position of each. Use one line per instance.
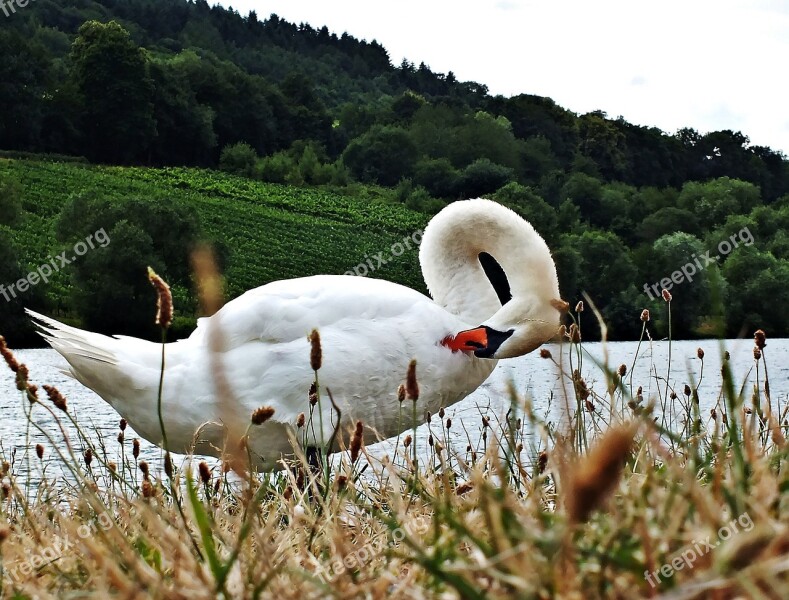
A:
(170, 82)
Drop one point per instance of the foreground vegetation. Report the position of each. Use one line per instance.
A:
(626, 497)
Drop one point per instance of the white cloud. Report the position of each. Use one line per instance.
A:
(504, 5)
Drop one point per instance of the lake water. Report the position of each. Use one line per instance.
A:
(532, 376)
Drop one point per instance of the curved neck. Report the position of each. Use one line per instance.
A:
(450, 259)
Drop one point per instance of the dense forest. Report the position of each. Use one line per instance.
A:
(165, 83)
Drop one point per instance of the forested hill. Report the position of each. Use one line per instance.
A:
(213, 77)
(623, 207)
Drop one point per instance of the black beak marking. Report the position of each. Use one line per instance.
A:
(495, 340)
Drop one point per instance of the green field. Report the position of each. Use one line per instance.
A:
(271, 231)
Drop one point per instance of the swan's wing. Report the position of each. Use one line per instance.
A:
(284, 311)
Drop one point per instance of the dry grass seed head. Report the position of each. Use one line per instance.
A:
(8, 356)
(164, 303)
(356, 441)
(595, 475)
(205, 472)
(56, 397)
(411, 385)
(316, 352)
(760, 339)
(262, 414)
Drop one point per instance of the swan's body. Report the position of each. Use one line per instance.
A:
(370, 331)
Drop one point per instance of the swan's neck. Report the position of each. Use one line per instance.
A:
(450, 259)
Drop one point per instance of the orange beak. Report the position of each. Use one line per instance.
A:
(467, 341)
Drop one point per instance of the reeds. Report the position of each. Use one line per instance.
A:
(522, 510)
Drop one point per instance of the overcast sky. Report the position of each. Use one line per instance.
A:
(706, 64)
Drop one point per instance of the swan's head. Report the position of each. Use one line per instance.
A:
(520, 327)
(487, 264)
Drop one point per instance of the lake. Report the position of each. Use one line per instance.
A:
(532, 376)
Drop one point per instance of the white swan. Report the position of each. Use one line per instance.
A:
(370, 330)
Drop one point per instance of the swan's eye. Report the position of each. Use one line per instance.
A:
(496, 276)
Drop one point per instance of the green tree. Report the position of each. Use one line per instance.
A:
(384, 154)
(245, 107)
(23, 71)
(111, 292)
(604, 143)
(675, 254)
(649, 200)
(715, 200)
(405, 106)
(437, 176)
(537, 159)
(14, 325)
(483, 177)
(614, 201)
(537, 116)
(606, 265)
(185, 127)
(111, 74)
(238, 159)
(607, 274)
(310, 120)
(568, 217)
(667, 220)
(779, 245)
(757, 292)
(485, 136)
(442, 131)
(10, 201)
(173, 229)
(433, 130)
(586, 193)
(275, 168)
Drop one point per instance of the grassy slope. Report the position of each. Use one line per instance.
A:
(272, 231)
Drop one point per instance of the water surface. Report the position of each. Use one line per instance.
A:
(532, 376)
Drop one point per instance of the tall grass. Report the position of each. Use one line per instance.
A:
(580, 509)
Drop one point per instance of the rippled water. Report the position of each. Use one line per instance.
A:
(533, 376)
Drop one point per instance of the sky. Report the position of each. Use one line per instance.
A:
(705, 64)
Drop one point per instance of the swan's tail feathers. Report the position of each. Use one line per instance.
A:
(73, 342)
(97, 361)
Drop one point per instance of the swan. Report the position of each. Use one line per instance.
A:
(495, 295)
